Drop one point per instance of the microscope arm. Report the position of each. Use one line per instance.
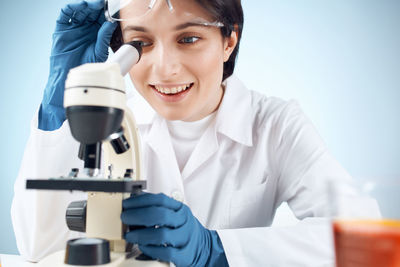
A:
(135, 137)
(116, 165)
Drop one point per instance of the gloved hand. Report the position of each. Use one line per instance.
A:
(82, 35)
(168, 231)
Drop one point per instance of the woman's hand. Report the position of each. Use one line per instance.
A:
(82, 35)
(167, 230)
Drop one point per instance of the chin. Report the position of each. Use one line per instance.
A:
(172, 115)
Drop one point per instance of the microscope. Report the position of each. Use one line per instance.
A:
(95, 104)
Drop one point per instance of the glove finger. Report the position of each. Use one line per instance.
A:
(153, 216)
(148, 199)
(69, 10)
(102, 18)
(98, 14)
(94, 17)
(95, 4)
(93, 11)
(167, 254)
(162, 236)
(103, 40)
(72, 8)
(85, 15)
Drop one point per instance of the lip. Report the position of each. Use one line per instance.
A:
(169, 85)
(171, 98)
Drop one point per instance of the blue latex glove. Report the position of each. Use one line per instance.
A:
(168, 231)
(82, 35)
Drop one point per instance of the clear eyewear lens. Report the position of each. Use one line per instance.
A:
(123, 10)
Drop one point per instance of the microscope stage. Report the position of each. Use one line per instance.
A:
(85, 184)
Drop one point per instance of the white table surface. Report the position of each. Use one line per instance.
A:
(8, 260)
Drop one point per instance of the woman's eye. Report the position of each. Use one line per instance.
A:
(189, 40)
(142, 43)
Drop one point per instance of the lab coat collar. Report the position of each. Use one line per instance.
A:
(234, 119)
(159, 140)
(235, 115)
(205, 148)
(158, 137)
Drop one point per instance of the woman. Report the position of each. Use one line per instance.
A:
(219, 159)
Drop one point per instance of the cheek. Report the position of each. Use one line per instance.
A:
(208, 65)
(138, 77)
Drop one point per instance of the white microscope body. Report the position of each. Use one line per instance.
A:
(95, 103)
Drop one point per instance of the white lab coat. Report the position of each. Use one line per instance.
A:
(259, 152)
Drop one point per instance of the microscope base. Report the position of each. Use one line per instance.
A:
(117, 260)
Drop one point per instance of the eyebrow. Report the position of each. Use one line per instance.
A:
(177, 28)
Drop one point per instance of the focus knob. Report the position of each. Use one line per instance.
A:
(76, 216)
(87, 251)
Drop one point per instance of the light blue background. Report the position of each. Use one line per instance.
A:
(340, 59)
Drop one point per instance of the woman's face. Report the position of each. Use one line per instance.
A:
(180, 71)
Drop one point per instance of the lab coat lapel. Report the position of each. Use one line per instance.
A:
(235, 116)
(159, 141)
(234, 120)
(206, 147)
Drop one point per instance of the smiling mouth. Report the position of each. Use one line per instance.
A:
(172, 90)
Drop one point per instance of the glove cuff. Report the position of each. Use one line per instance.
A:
(217, 253)
(50, 117)
(52, 112)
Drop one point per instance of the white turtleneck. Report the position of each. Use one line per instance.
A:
(186, 135)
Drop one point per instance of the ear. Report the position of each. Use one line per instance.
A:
(230, 43)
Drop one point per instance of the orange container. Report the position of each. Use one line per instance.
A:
(367, 243)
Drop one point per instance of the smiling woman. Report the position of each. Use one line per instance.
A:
(219, 158)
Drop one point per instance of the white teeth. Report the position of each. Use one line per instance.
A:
(172, 90)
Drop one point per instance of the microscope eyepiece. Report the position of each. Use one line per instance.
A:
(128, 55)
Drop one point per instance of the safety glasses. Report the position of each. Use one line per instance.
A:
(132, 9)
(125, 10)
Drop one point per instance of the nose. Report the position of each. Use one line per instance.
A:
(166, 62)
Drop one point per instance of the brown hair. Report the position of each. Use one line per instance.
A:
(229, 12)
